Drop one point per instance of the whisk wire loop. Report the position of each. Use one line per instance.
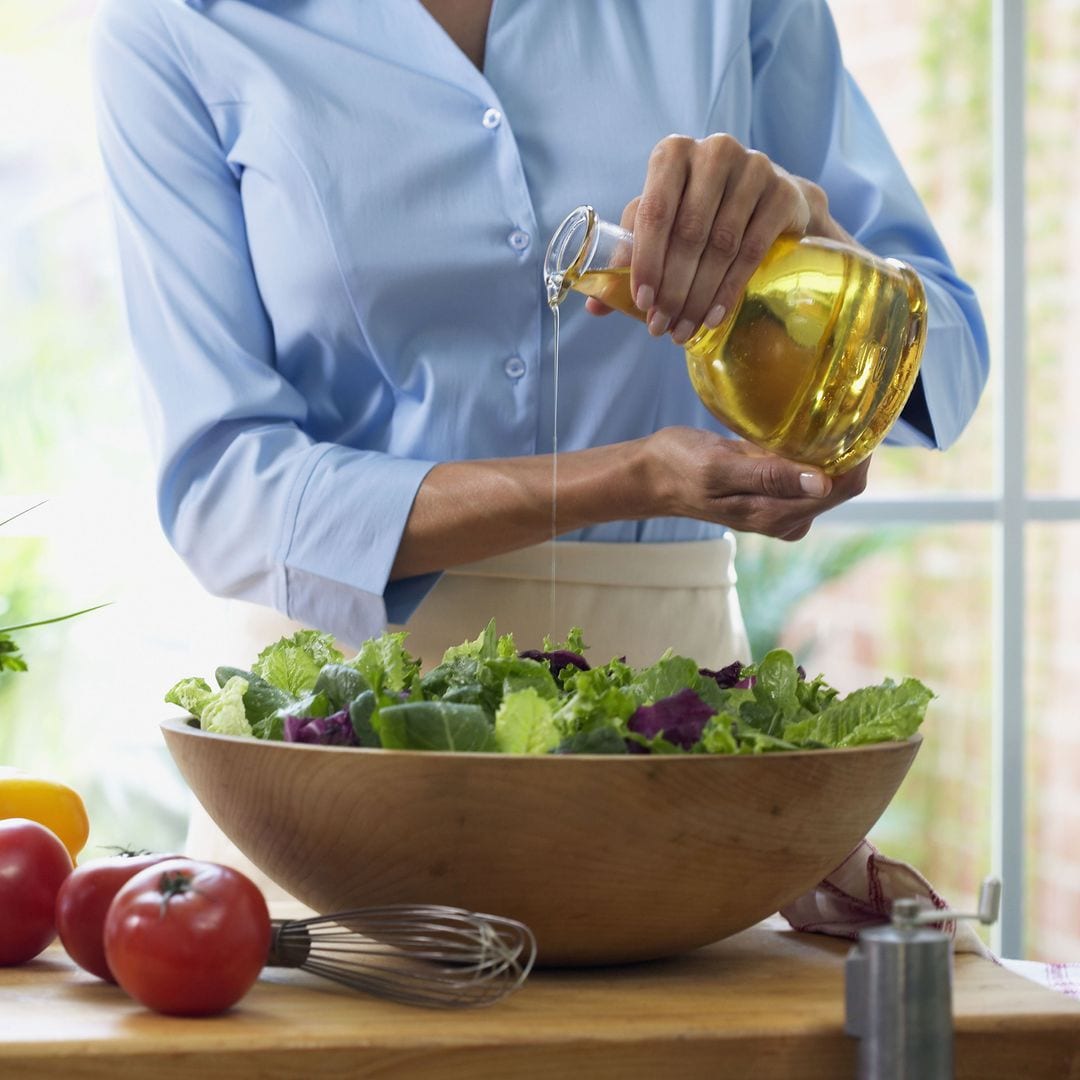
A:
(428, 954)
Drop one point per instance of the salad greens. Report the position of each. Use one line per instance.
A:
(486, 695)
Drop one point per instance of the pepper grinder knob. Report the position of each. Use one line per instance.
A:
(898, 990)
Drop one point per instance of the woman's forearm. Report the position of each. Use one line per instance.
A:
(468, 510)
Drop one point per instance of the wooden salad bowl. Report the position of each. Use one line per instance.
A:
(608, 859)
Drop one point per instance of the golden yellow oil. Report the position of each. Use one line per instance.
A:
(818, 358)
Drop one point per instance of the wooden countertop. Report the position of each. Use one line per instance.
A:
(767, 1002)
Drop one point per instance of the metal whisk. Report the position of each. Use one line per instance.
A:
(425, 954)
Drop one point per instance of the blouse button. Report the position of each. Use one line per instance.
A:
(492, 118)
(519, 239)
(514, 367)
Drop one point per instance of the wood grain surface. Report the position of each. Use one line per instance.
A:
(766, 1003)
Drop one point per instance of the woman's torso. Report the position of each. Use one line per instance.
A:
(398, 202)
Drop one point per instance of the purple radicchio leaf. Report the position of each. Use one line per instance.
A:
(335, 730)
(557, 659)
(680, 718)
(729, 677)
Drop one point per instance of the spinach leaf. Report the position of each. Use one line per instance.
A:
(434, 725)
(341, 684)
(361, 712)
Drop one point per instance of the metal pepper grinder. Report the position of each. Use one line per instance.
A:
(898, 990)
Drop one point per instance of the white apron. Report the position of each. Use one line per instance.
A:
(632, 600)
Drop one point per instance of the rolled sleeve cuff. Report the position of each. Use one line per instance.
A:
(348, 518)
(952, 374)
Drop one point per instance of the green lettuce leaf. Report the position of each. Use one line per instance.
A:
(361, 712)
(717, 737)
(593, 702)
(385, 664)
(341, 683)
(775, 696)
(190, 694)
(525, 723)
(293, 664)
(575, 643)
(882, 713)
(485, 647)
(752, 741)
(601, 740)
(224, 712)
(260, 699)
(667, 677)
(519, 673)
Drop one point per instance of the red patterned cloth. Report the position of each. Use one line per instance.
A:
(1064, 978)
(859, 893)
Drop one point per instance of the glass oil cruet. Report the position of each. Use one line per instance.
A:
(816, 360)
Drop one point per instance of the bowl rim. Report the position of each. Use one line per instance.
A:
(183, 725)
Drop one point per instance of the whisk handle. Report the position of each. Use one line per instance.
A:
(290, 944)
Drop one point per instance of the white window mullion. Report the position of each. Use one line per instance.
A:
(1007, 803)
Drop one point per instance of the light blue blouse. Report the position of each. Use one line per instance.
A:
(332, 228)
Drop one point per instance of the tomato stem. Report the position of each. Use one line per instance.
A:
(173, 884)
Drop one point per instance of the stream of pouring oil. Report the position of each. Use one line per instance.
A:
(553, 285)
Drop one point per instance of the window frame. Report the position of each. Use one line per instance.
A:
(1011, 506)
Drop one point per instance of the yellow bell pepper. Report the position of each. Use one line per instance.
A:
(52, 804)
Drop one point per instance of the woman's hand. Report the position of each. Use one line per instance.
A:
(709, 211)
(699, 474)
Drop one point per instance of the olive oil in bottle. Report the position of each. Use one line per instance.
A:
(816, 360)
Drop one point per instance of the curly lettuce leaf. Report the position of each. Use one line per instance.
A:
(293, 663)
(224, 712)
(873, 714)
(191, 695)
(385, 665)
(574, 643)
(717, 738)
(592, 702)
(488, 646)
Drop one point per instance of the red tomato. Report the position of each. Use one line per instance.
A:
(83, 902)
(187, 937)
(33, 866)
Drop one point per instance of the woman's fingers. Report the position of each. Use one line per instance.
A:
(779, 208)
(694, 235)
(665, 180)
(709, 211)
(699, 474)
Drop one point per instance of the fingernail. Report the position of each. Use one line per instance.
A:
(645, 297)
(658, 324)
(683, 329)
(715, 316)
(812, 483)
